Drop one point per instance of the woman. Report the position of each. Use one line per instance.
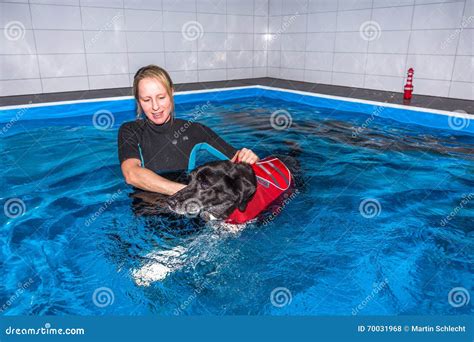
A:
(149, 146)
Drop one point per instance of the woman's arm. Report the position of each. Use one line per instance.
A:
(146, 179)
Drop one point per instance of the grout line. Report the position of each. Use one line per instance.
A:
(457, 46)
(36, 48)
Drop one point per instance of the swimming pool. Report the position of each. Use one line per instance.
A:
(381, 223)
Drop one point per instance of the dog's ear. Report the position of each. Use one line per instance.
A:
(247, 183)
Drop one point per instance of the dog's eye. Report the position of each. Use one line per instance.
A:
(203, 181)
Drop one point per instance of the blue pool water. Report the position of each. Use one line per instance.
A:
(368, 232)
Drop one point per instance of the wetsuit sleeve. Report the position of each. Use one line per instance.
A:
(210, 137)
(127, 143)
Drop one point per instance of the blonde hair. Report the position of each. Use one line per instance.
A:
(159, 74)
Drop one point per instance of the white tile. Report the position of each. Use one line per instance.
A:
(62, 65)
(294, 7)
(350, 42)
(431, 87)
(421, 2)
(260, 24)
(261, 7)
(274, 42)
(109, 81)
(464, 69)
(239, 59)
(292, 74)
(143, 4)
(294, 23)
(138, 60)
(386, 83)
(349, 62)
(56, 17)
(260, 41)
(292, 60)
(174, 21)
(185, 76)
(105, 41)
(466, 37)
(390, 42)
(293, 42)
(53, 85)
(274, 24)
(55, 2)
(468, 16)
(179, 5)
(319, 61)
(102, 3)
(18, 66)
(25, 45)
(212, 22)
(462, 90)
(431, 67)
(273, 72)
(175, 42)
(212, 60)
(260, 59)
(322, 22)
(103, 64)
(140, 20)
(352, 20)
(320, 41)
(239, 24)
(179, 61)
(392, 3)
(385, 65)
(437, 42)
(321, 6)
(238, 41)
(317, 76)
(212, 75)
(69, 41)
(393, 18)
(20, 87)
(104, 19)
(17, 15)
(259, 72)
(438, 16)
(345, 5)
(275, 7)
(239, 73)
(146, 41)
(212, 42)
(348, 80)
(274, 59)
(211, 6)
(244, 7)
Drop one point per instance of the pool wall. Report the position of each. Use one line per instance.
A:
(458, 121)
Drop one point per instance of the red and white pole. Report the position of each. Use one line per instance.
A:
(408, 89)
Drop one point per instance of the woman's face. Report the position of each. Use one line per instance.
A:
(154, 100)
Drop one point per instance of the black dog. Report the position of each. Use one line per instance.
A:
(215, 190)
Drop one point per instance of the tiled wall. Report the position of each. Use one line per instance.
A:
(64, 45)
(371, 43)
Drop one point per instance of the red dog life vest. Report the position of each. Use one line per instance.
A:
(273, 179)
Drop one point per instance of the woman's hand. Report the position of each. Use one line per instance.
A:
(245, 156)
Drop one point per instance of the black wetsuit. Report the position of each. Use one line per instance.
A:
(165, 149)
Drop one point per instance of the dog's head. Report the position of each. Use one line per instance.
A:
(216, 189)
